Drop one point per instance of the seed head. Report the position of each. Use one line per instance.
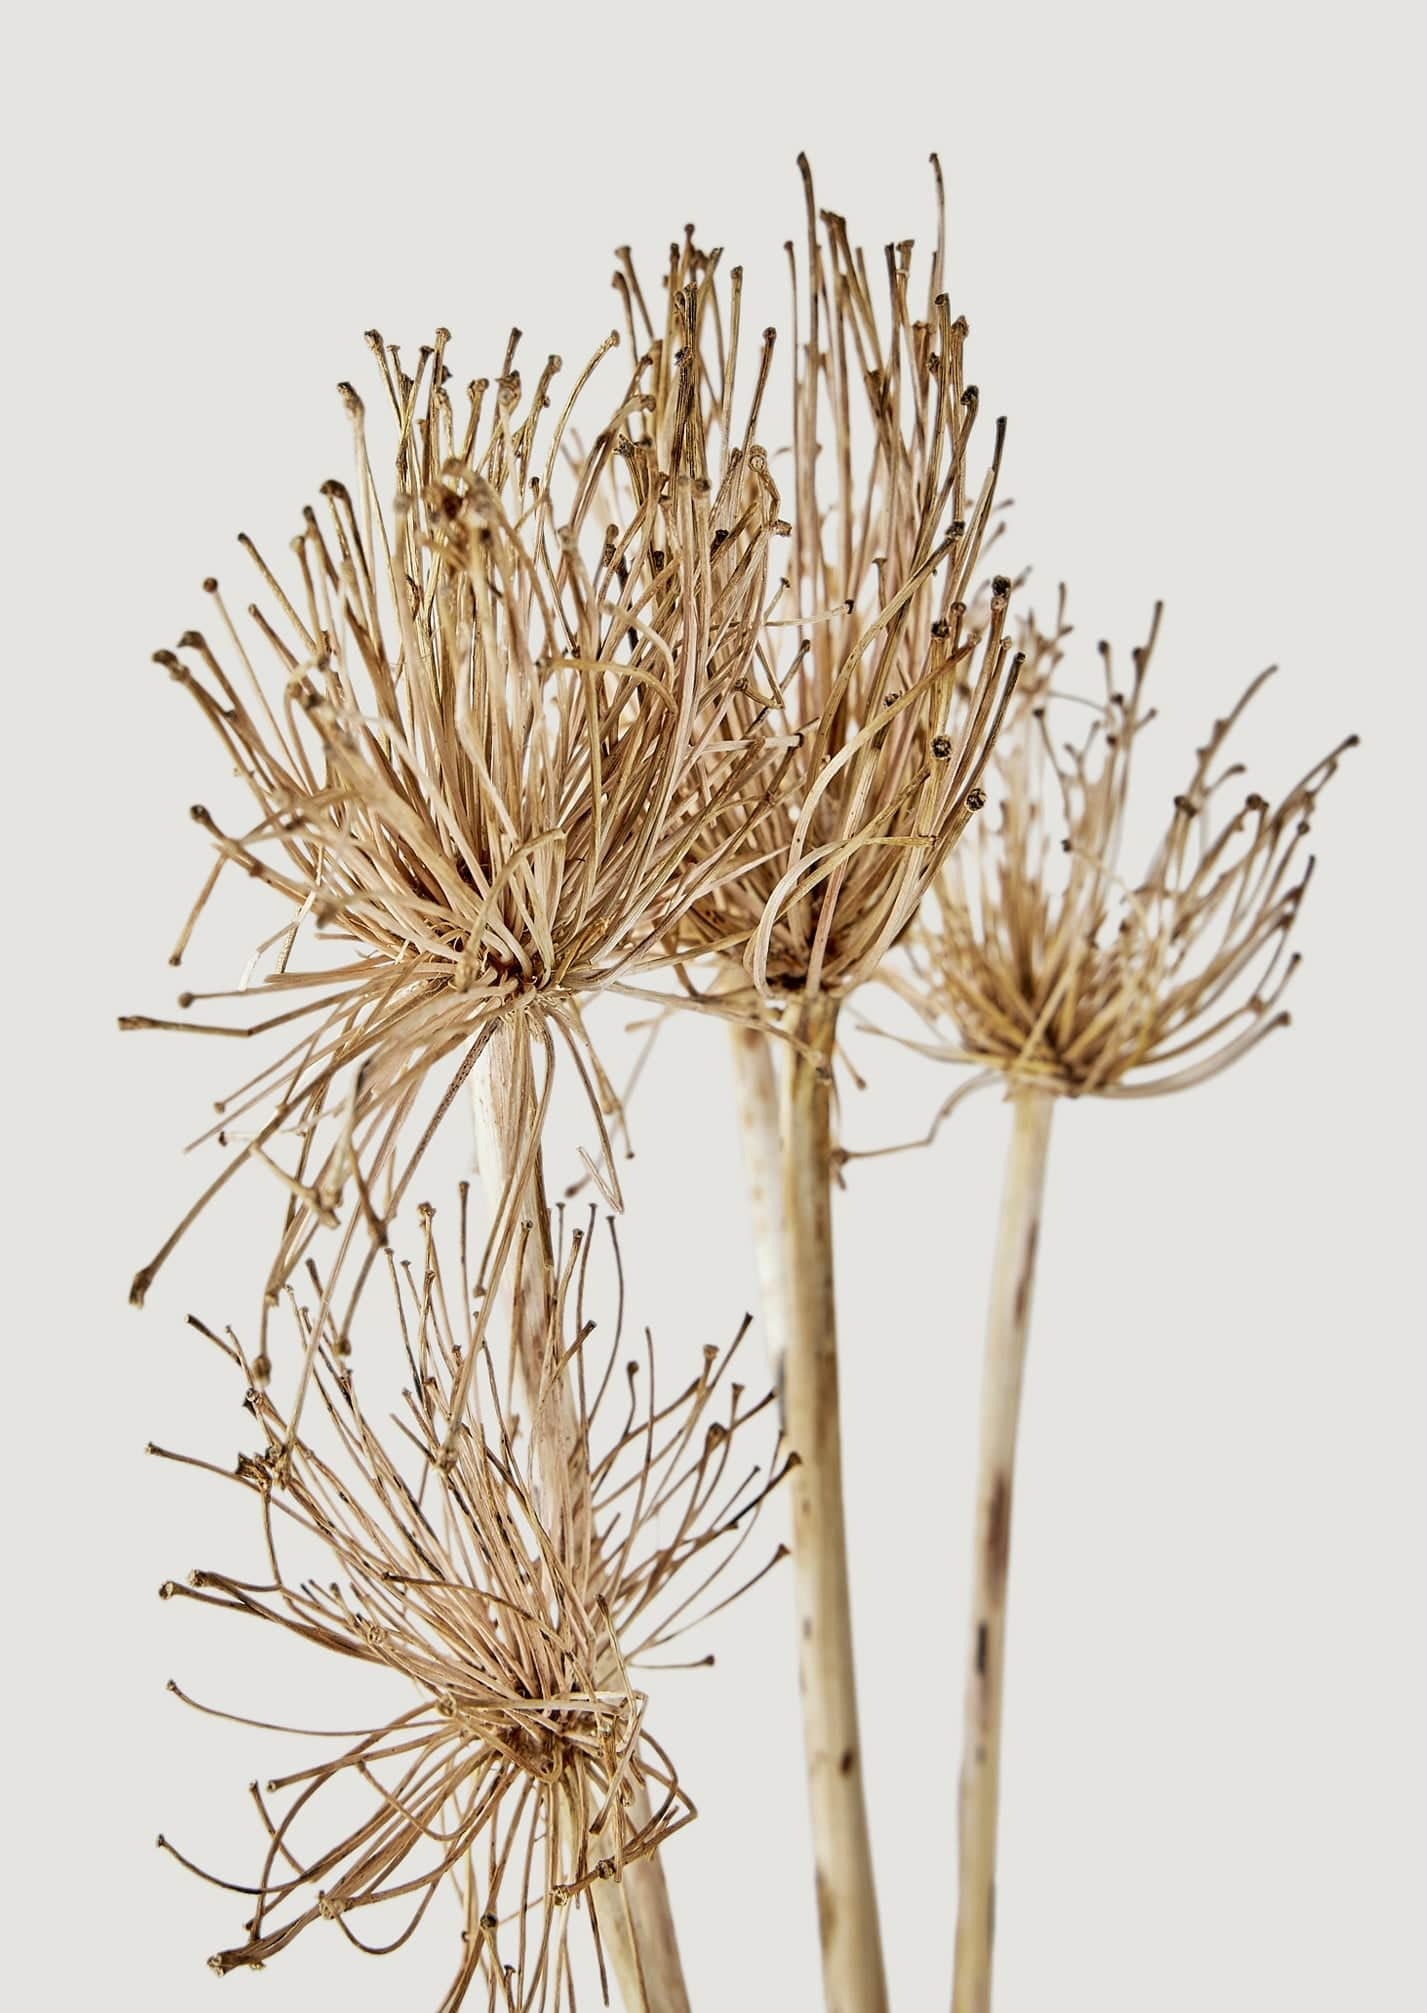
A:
(882, 668)
(521, 1766)
(1047, 965)
(491, 753)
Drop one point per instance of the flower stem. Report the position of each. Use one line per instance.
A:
(853, 1975)
(1008, 1323)
(755, 1080)
(635, 1917)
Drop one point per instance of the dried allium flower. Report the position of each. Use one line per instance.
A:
(1053, 969)
(491, 743)
(872, 646)
(1061, 978)
(885, 671)
(418, 1548)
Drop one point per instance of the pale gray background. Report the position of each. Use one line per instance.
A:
(1188, 246)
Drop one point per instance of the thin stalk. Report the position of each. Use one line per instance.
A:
(637, 1929)
(755, 1079)
(1007, 1326)
(636, 1919)
(854, 1980)
(503, 1106)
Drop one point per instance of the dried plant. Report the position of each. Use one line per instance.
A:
(1046, 965)
(533, 732)
(494, 755)
(869, 634)
(883, 669)
(532, 721)
(1042, 965)
(417, 1547)
(488, 736)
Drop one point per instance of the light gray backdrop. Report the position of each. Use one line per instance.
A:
(1187, 245)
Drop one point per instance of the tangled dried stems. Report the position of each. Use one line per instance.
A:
(498, 748)
(530, 731)
(884, 672)
(522, 1766)
(873, 670)
(1051, 968)
(541, 728)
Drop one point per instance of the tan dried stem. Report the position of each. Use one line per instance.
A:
(1041, 963)
(758, 1097)
(417, 1548)
(854, 1979)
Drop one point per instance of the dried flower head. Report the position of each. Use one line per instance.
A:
(521, 1767)
(881, 667)
(1050, 967)
(491, 745)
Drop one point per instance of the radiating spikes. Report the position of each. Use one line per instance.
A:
(492, 736)
(883, 543)
(1046, 962)
(523, 1659)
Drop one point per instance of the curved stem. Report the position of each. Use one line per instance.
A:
(853, 1975)
(1007, 1327)
(636, 1918)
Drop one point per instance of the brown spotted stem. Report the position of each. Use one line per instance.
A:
(853, 1976)
(635, 1916)
(1007, 1326)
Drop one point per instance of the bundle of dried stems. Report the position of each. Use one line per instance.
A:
(536, 720)
(496, 760)
(885, 672)
(534, 732)
(523, 1770)
(869, 636)
(1054, 974)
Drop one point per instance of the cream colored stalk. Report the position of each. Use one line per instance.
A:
(1003, 1367)
(853, 1975)
(635, 1916)
(755, 1078)
(787, 1157)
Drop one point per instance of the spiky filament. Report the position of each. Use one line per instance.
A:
(849, 1928)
